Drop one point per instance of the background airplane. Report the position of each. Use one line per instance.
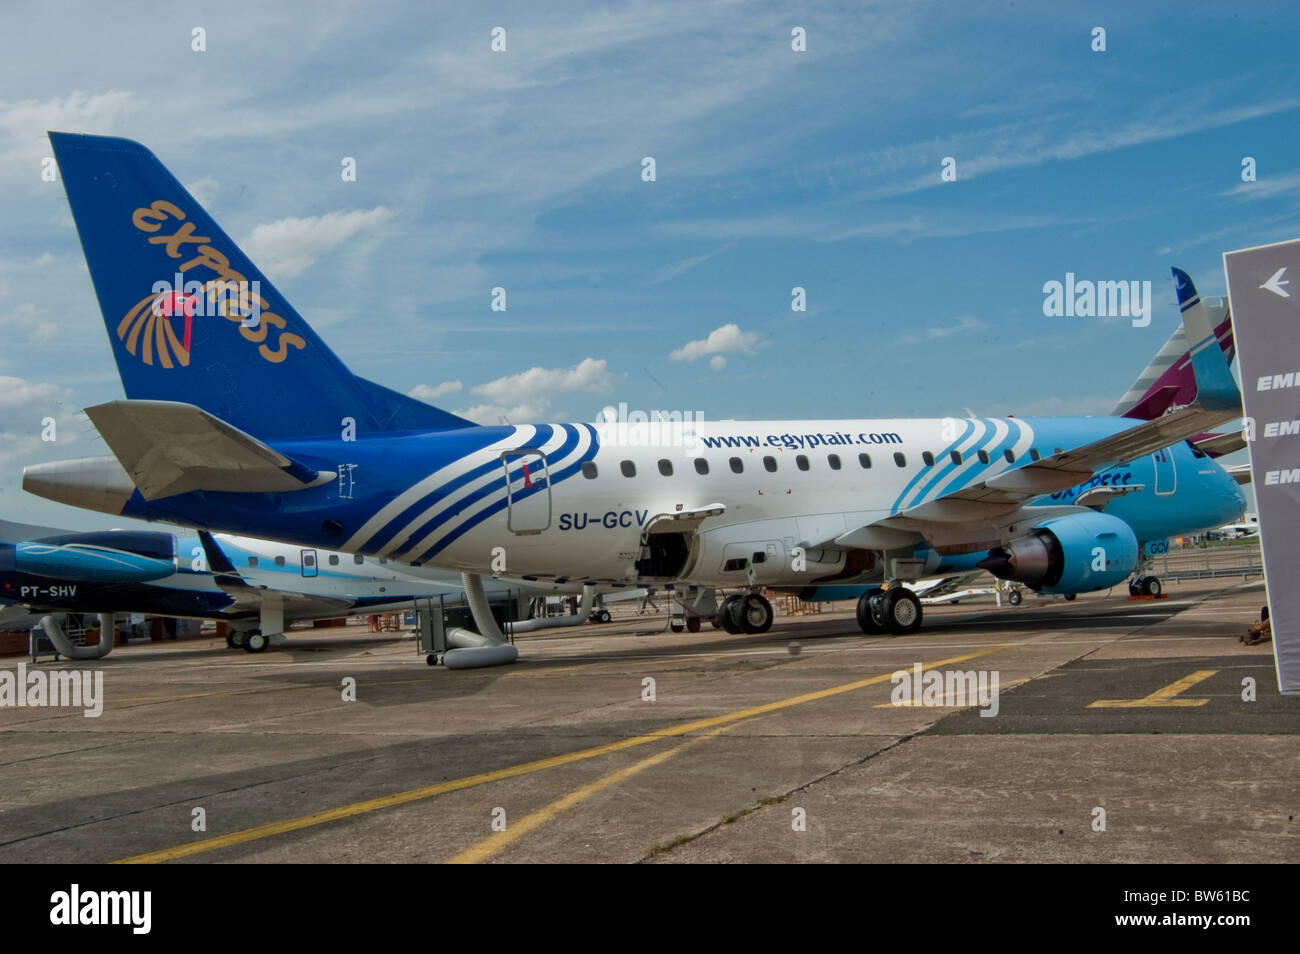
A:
(247, 422)
(257, 586)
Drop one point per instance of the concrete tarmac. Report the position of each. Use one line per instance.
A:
(1124, 731)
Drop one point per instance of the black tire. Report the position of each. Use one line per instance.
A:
(230, 640)
(726, 618)
(1152, 586)
(236, 639)
(1014, 598)
(431, 659)
(902, 611)
(677, 627)
(752, 614)
(1069, 597)
(255, 642)
(867, 620)
(692, 624)
(604, 616)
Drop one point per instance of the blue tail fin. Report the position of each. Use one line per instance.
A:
(225, 340)
(1215, 388)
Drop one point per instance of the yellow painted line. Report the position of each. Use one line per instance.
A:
(1161, 698)
(498, 842)
(514, 771)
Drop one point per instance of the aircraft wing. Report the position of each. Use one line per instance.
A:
(1217, 401)
(1008, 491)
(171, 448)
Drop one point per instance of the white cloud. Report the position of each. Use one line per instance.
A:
(722, 340)
(686, 265)
(23, 124)
(205, 190)
(29, 323)
(289, 246)
(494, 413)
(1268, 186)
(717, 362)
(24, 407)
(423, 392)
(526, 397)
(590, 374)
(962, 325)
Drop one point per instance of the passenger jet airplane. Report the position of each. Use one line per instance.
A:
(256, 586)
(239, 418)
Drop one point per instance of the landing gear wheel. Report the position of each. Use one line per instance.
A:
(604, 616)
(902, 611)
(1151, 586)
(1135, 586)
(692, 624)
(676, 627)
(1014, 598)
(751, 614)
(255, 642)
(431, 659)
(867, 617)
(236, 639)
(1069, 597)
(725, 617)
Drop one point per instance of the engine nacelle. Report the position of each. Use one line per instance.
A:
(1070, 554)
(109, 556)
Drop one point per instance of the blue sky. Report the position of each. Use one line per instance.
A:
(774, 169)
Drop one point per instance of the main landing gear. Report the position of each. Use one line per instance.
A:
(896, 611)
(749, 613)
(1145, 586)
(249, 640)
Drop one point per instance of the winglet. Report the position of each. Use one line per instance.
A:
(1215, 388)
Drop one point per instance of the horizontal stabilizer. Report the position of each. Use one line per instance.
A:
(169, 448)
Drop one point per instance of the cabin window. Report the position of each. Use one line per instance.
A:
(865, 461)
(737, 465)
(1011, 458)
(252, 561)
(770, 464)
(899, 459)
(801, 462)
(955, 456)
(701, 465)
(358, 559)
(628, 468)
(589, 469)
(834, 461)
(334, 559)
(983, 456)
(665, 467)
(279, 561)
(1033, 453)
(926, 458)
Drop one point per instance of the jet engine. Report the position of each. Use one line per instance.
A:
(110, 556)
(1071, 554)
